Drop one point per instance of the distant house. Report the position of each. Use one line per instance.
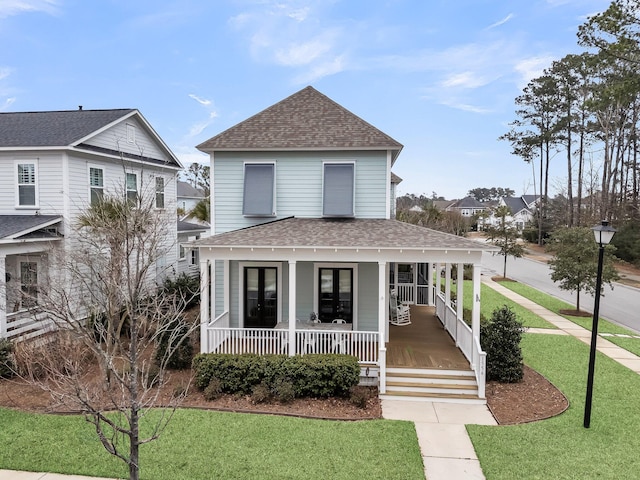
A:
(187, 196)
(188, 258)
(522, 210)
(53, 165)
(302, 228)
(467, 207)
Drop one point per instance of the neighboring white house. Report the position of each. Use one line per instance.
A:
(467, 207)
(522, 211)
(188, 258)
(188, 196)
(53, 166)
(301, 204)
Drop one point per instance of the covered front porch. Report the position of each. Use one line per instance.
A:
(290, 258)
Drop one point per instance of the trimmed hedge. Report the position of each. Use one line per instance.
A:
(310, 375)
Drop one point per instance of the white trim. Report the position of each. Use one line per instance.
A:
(354, 287)
(97, 167)
(241, 299)
(27, 161)
(388, 189)
(339, 162)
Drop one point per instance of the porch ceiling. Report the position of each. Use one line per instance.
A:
(318, 235)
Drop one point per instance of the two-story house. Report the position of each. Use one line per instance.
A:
(304, 251)
(55, 164)
(522, 210)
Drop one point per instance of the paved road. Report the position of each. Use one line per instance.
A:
(620, 305)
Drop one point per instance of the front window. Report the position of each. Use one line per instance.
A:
(27, 184)
(259, 190)
(338, 190)
(96, 184)
(159, 192)
(132, 187)
(29, 284)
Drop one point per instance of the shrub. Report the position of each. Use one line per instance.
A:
(7, 364)
(500, 339)
(175, 334)
(359, 396)
(309, 375)
(213, 390)
(261, 393)
(283, 390)
(185, 287)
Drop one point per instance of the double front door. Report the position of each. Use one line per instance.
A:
(260, 297)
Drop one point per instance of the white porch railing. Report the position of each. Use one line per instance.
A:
(24, 325)
(423, 295)
(463, 336)
(405, 292)
(264, 341)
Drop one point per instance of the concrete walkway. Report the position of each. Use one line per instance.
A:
(447, 452)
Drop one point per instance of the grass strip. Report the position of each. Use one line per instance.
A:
(560, 448)
(203, 445)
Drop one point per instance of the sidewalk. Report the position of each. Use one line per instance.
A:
(606, 347)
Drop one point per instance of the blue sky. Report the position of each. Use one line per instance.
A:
(439, 76)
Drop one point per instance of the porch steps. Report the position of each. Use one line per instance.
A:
(432, 385)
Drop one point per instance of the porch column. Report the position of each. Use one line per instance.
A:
(292, 308)
(438, 280)
(475, 314)
(3, 297)
(460, 291)
(447, 284)
(430, 299)
(382, 324)
(204, 305)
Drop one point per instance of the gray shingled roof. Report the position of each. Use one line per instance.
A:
(185, 189)
(515, 204)
(342, 233)
(305, 120)
(395, 178)
(53, 129)
(11, 225)
(191, 227)
(468, 202)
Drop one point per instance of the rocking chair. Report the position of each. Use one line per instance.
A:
(399, 313)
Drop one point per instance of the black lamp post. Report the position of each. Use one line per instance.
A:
(604, 234)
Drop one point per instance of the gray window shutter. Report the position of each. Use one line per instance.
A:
(337, 195)
(258, 190)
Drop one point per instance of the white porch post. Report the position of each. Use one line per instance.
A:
(475, 314)
(460, 291)
(292, 308)
(430, 299)
(204, 305)
(447, 284)
(438, 280)
(382, 324)
(3, 297)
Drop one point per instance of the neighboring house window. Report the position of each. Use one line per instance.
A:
(131, 133)
(132, 187)
(27, 192)
(194, 257)
(96, 184)
(181, 252)
(338, 190)
(159, 192)
(259, 189)
(29, 284)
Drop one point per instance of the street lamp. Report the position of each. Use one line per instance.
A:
(603, 233)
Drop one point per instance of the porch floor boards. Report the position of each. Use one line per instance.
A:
(423, 344)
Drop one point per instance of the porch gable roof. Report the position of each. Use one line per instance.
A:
(16, 226)
(295, 232)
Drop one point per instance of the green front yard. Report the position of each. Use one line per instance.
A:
(203, 445)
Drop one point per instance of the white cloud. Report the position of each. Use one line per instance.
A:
(15, 7)
(533, 67)
(7, 103)
(501, 22)
(302, 54)
(331, 67)
(465, 80)
(201, 101)
(5, 72)
(465, 107)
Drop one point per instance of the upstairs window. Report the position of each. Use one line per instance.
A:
(27, 184)
(259, 190)
(132, 188)
(159, 192)
(131, 133)
(96, 185)
(338, 190)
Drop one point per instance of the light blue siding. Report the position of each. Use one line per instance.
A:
(368, 297)
(298, 185)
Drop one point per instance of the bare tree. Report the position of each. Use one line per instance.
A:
(505, 236)
(106, 305)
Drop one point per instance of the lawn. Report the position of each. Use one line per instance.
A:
(555, 305)
(490, 300)
(201, 444)
(560, 448)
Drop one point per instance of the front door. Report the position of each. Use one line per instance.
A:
(260, 297)
(336, 294)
